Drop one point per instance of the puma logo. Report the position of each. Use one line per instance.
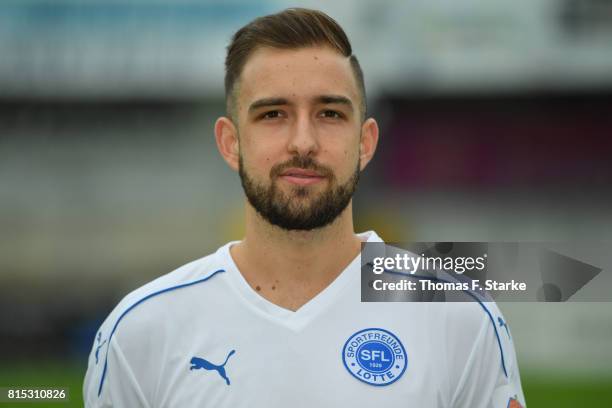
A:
(504, 325)
(197, 363)
(98, 338)
(98, 350)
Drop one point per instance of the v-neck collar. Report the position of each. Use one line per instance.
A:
(294, 320)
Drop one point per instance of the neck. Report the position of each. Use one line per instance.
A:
(290, 267)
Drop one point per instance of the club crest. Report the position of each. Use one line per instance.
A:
(375, 356)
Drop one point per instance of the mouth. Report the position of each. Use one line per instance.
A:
(301, 177)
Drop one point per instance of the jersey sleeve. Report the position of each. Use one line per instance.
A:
(490, 378)
(119, 372)
(110, 381)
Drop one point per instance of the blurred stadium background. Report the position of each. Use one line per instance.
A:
(496, 124)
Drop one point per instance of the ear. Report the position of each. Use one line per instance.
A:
(226, 136)
(369, 141)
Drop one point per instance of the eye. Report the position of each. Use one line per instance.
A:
(270, 115)
(331, 114)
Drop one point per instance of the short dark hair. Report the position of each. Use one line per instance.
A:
(289, 29)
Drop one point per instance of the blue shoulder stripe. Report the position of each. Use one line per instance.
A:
(129, 309)
(472, 295)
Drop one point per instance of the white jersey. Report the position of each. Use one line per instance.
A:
(202, 337)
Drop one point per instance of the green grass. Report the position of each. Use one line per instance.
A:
(541, 390)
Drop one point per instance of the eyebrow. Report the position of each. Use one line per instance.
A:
(261, 103)
(325, 99)
(339, 99)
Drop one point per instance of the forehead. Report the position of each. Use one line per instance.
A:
(296, 74)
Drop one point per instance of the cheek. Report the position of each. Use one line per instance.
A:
(260, 163)
(265, 161)
(259, 157)
(345, 160)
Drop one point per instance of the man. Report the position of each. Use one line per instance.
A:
(275, 320)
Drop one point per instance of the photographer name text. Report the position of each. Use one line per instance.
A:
(427, 284)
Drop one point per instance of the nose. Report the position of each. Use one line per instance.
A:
(304, 139)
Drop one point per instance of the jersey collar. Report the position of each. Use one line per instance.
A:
(294, 320)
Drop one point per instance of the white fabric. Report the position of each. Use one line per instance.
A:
(205, 309)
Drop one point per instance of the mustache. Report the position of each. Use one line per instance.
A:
(301, 162)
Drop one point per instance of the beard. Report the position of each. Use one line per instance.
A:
(303, 208)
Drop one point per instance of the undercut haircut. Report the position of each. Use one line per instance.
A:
(293, 28)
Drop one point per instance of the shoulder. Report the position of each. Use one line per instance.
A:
(129, 326)
(193, 273)
(167, 288)
(480, 322)
(478, 327)
(481, 357)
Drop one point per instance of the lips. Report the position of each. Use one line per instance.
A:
(301, 176)
(293, 172)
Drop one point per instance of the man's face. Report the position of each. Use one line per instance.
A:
(299, 132)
